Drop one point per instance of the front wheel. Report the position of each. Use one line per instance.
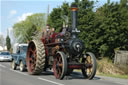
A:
(22, 66)
(90, 66)
(60, 65)
(13, 65)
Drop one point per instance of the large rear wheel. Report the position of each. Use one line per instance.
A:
(35, 57)
(90, 66)
(60, 65)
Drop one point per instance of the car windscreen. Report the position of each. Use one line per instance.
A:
(24, 48)
(5, 53)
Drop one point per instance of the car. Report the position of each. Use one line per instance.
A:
(5, 56)
(19, 58)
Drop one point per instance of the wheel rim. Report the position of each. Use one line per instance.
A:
(31, 58)
(89, 66)
(21, 66)
(13, 64)
(58, 66)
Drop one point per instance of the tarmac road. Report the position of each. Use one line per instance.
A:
(15, 77)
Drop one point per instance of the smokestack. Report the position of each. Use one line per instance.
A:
(74, 17)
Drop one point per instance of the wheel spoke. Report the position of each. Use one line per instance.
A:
(60, 71)
(90, 71)
(60, 65)
(32, 58)
(60, 60)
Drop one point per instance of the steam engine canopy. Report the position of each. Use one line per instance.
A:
(75, 46)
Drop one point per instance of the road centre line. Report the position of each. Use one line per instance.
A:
(50, 81)
(2, 66)
(120, 83)
(39, 78)
(18, 72)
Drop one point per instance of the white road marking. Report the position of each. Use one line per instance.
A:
(18, 72)
(2, 66)
(120, 83)
(50, 81)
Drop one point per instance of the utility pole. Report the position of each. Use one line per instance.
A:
(48, 11)
(47, 15)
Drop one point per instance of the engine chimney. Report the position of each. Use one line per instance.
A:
(74, 19)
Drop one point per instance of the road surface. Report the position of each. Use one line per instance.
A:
(15, 77)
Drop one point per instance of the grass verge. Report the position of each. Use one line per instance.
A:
(105, 67)
(114, 76)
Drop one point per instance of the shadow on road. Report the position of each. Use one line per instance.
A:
(78, 75)
(74, 75)
(47, 73)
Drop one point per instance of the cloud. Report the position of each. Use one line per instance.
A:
(12, 13)
(1, 33)
(24, 16)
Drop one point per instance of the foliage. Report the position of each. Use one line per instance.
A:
(103, 30)
(57, 16)
(24, 30)
(112, 19)
(8, 43)
(1, 40)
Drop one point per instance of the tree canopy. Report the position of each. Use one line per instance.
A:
(2, 40)
(102, 31)
(8, 43)
(24, 30)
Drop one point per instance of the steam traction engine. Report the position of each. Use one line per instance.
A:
(61, 52)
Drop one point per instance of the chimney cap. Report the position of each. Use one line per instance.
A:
(74, 7)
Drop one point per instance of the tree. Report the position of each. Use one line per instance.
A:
(1, 40)
(8, 43)
(25, 30)
(59, 16)
(113, 19)
(55, 19)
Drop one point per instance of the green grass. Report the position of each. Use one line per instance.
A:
(109, 75)
(114, 76)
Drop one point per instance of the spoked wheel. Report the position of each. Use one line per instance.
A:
(13, 65)
(22, 66)
(35, 57)
(90, 66)
(60, 65)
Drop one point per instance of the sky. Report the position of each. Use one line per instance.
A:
(13, 11)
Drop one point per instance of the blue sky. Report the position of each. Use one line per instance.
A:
(12, 11)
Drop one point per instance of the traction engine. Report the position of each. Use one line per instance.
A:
(63, 52)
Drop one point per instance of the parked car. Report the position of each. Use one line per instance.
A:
(5, 56)
(19, 58)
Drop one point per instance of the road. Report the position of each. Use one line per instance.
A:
(15, 77)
